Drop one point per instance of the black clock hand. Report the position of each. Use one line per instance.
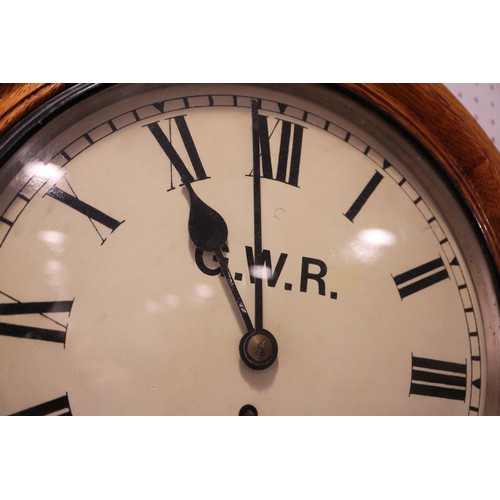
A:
(258, 349)
(208, 231)
(257, 219)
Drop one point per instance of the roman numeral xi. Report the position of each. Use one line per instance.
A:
(197, 172)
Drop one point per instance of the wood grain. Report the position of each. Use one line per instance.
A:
(453, 137)
(19, 99)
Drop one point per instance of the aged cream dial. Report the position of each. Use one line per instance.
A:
(351, 255)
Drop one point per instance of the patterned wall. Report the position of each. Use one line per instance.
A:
(483, 102)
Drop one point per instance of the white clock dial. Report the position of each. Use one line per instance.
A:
(369, 267)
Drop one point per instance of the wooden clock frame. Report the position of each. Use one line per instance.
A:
(429, 113)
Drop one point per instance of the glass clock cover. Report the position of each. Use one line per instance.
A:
(235, 249)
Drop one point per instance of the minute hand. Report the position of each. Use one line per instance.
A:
(258, 349)
(208, 231)
(257, 218)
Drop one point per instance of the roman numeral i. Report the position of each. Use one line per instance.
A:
(361, 200)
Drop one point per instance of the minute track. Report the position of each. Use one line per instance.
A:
(147, 290)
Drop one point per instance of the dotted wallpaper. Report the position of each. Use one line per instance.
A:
(482, 100)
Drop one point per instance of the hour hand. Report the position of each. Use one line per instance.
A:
(208, 231)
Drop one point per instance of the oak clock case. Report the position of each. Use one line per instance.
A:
(236, 249)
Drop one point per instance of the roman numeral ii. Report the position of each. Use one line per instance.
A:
(420, 277)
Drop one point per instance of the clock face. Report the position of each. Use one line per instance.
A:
(138, 248)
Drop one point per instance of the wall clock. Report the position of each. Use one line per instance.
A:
(247, 250)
